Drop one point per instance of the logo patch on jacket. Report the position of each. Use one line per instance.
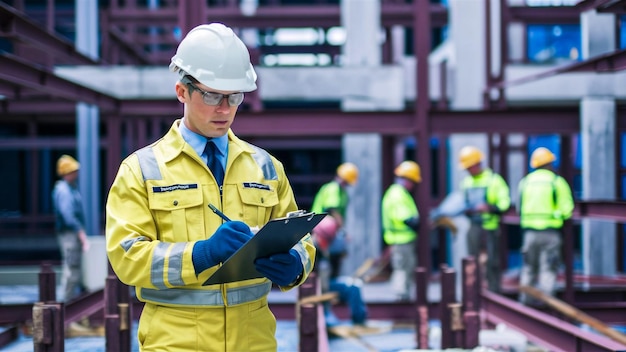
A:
(161, 189)
(256, 185)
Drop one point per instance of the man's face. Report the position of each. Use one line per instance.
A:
(208, 120)
(475, 169)
(71, 177)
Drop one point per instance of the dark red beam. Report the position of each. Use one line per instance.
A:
(609, 62)
(601, 209)
(321, 16)
(544, 14)
(17, 26)
(20, 73)
(543, 329)
(612, 6)
(335, 122)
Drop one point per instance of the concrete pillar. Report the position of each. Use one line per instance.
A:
(88, 121)
(361, 20)
(598, 34)
(598, 115)
(467, 30)
(363, 213)
(598, 123)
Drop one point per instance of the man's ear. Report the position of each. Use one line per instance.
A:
(182, 92)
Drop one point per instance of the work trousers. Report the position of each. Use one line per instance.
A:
(403, 261)
(71, 254)
(541, 253)
(479, 238)
(244, 327)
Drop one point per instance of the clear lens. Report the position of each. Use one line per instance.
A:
(211, 98)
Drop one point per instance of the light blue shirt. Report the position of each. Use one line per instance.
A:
(198, 142)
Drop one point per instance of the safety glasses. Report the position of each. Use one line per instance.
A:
(212, 98)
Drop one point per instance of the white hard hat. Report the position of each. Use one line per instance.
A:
(216, 57)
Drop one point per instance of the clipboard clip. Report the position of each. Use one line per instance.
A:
(299, 213)
(295, 214)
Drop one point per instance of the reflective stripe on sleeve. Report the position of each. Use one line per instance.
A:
(304, 256)
(173, 252)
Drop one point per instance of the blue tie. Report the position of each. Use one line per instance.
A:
(213, 162)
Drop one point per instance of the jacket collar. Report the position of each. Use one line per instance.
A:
(175, 144)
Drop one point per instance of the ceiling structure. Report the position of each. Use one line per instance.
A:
(31, 88)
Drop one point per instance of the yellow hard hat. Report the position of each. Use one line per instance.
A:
(409, 170)
(348, 172)
(469, 156)
(541, 156)
(66, 164)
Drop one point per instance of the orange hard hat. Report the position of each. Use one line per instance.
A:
(469, 156)
(348, 172)
(540, 157)
(409, 170)
(66, 164)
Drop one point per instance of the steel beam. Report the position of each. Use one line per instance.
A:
(14, 70)
(543, 329)
(17, 26)
(84, 306)
(544, 14)
(612, 6)
(600, 209)
(285, 16)
(609, 62)
(315, 123)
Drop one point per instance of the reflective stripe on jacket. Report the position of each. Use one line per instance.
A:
(492, 190)
(545, 200)
(397, 206)
(157, 209)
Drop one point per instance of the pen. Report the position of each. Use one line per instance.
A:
(218, 212)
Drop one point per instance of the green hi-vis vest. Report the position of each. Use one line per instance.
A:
(330, 196)
(545, 200)
(397, 206)
(490, 188)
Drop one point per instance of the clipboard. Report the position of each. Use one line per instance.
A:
(277, 236)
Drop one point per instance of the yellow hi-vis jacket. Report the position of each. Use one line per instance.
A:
(545, 200)
(397, 206)
(330, 196)
(157, 209)
(490, 188)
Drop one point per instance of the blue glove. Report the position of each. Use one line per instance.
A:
(226, 240)
(283, 268)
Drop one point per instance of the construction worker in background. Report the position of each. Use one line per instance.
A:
(400, 220)
(545, 201)
(330, 238)
(347, 288)
(70, 225)
(486, 198)
(161, 235)
(332, 198)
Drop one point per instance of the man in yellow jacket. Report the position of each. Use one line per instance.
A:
(400, 220)
(161, 235)
(545, 201)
